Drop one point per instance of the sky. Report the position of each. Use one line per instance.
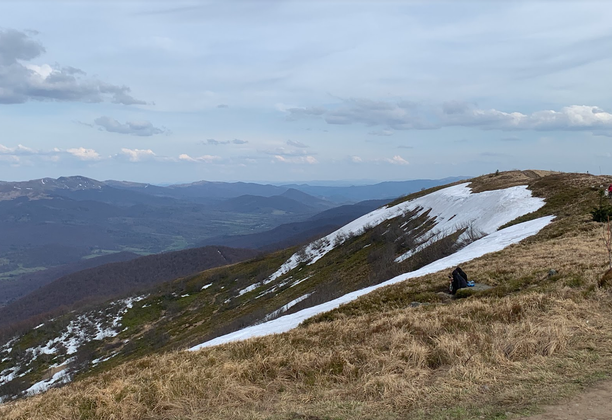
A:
(285, 91)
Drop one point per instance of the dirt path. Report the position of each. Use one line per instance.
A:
(595, 404)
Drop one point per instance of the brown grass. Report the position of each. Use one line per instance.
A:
(474, 355)
(529, 340)
(507, 179)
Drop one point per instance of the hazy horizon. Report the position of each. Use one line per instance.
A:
(319, 183)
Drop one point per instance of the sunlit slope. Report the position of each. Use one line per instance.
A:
(398, 352)
(453, 210)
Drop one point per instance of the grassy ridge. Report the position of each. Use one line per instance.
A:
(531, 338)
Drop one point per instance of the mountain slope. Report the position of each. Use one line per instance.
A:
(226, 189)
(307, 199)
(253, 204)
(110, 280)
(26, 283)
(401, 351)
(291, 234)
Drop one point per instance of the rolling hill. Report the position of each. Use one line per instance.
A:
(26, 283)
(99, 283)
(379, 337)
(291, 234)
(254, 204)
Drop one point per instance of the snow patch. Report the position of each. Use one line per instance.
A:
(249, 289)
(300, 281)
(93, 325)
(8, 375)
(491, 243)
(286, 307)
(485, 211)
(60, 377)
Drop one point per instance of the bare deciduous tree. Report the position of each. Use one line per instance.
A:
(607, 238)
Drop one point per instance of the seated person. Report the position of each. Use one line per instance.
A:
(459, 280)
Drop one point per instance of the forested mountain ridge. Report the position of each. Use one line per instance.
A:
(94, 285)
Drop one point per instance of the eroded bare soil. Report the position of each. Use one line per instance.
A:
(595, 404)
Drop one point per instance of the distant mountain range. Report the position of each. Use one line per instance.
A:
(382, 190)
(337, 194)
(53, 227)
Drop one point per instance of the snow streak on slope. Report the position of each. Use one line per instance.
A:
(491, 243)
(92, 325)
(486, 211)
(453, 208)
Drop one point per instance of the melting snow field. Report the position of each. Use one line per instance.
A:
(60, 377)
(94, 325)
(453, 207)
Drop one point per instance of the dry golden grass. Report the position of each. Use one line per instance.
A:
(473, 354)
(507, 179)
(531, 339)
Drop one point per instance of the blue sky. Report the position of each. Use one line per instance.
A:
(296, 91)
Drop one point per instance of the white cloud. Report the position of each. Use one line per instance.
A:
(397, 160)
(138, 155)
(42, 72)
(10, 158)
(299, 160)
(21, 82)
(574, 117)
(296, 144)
(384, 133)
(24, 154)
(84, 154)
(135, 128)
(413, 116)
(19, 150)
(200, 159)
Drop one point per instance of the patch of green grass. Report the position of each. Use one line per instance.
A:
(178, 244)
(141, 314)
(20, 271)
(139, 251)
(574, 281)
(99, 253)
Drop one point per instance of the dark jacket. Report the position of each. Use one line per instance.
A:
(460, 280)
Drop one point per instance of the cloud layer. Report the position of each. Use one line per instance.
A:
(201, 159)
(21, 82)
(213, 142)
(406, 115)
(134, 128)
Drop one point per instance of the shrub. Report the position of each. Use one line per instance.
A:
(602, 213)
